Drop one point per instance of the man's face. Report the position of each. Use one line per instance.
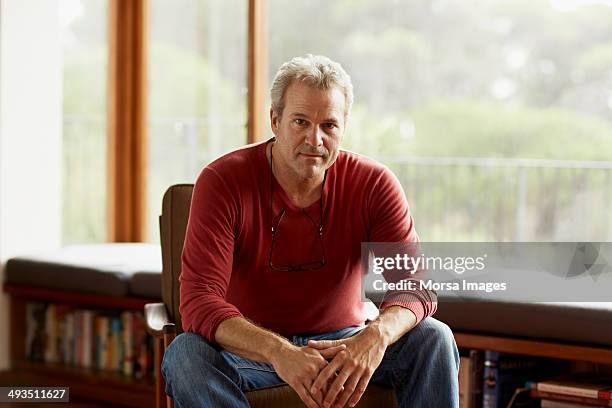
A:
(309, 131)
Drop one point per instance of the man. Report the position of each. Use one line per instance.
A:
(270, 286)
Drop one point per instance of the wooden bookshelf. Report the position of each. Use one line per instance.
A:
(91, 384)
(115, 389)
(96, 385)
(539, 348)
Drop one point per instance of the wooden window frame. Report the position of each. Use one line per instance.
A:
(257, 60)
(127, 109)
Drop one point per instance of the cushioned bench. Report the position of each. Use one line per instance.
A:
(123, 269)
(582, 323)
(128, 269)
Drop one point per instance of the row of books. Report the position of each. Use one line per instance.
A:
(107, 340)
(498, 380)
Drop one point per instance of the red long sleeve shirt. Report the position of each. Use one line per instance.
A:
(225, 262)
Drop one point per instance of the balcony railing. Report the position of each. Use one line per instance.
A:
(493, 199)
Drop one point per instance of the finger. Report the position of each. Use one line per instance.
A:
(323, 344)
(349, 388)
(306, 397)
(336, 388)
(318, 397)
(328, 372)
(360, 389)
(332, 351)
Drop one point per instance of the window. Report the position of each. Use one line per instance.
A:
(495, 115)
(83, 26)
(197, 90)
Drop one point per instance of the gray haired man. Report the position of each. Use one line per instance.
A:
(270, 285)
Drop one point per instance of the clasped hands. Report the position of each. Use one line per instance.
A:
(333, 383)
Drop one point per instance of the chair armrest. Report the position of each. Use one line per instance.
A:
(157, 321)
(371, 311)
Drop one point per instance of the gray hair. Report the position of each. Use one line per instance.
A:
(316, 71)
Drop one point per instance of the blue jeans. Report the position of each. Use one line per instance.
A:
(421, 367)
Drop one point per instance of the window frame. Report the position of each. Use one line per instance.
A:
(127, 109)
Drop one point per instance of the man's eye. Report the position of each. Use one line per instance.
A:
(330, 125)
(299, 122)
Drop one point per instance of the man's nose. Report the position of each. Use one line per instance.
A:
(314, 137)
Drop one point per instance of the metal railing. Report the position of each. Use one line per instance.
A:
(492, 199)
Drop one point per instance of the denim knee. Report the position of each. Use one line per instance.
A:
(439, 338)
(186, 354)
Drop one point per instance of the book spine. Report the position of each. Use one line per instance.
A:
(88, 346)
(545, 403)
(29, 329)
(51, 354)
(476, 378)
(568, 390)
(108, 344)
(128, 348)
(117, 344)
(39, 337)
(76, 343)
(102, 349)
(98, 342)
(535, 393)
(464, 382)
(32, 329)
(490, 385)
(61, 326)
(67, 339)
(139, 346)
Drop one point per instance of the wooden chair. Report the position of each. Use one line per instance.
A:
(164, 320)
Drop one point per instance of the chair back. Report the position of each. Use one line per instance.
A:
(172, 226)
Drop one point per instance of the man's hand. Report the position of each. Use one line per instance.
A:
(299, 366)
(351, 369)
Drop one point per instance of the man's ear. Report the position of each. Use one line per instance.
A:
(274, 119)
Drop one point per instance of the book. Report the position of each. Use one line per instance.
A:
(545, 403)
(476, 378)
(87, 340)
(35, 331)
(140, 345)
(55, 330)
(77, 343)
(116, 341)
(128, 343)
(464, 381)
(588, 385)
(102, 343)
(51, 335)
(67, 338)
(570, 398)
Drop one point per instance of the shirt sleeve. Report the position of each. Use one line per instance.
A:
(207, 256)
(393, 222)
